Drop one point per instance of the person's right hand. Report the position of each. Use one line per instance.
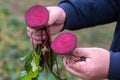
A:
(95, 66)
(56, 22)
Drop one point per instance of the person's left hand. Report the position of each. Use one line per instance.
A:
(95, 67)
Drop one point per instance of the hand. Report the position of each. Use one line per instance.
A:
(56, 22)
(95, 67)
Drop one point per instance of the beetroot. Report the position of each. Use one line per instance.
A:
(64, 43)
(36, 16)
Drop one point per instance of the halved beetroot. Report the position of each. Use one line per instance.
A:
(36, 16)
(64, 43)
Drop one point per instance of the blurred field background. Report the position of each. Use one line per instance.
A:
(14, 42)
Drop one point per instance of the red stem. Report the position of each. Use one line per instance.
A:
(49, 55)
(33, 45)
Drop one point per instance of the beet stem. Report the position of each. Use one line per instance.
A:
(58, 71)
(33, 46)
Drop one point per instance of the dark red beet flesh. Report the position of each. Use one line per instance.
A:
(36, 16)
(64, 43)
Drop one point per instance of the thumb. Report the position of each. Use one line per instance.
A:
(56, 15)
(52, 15)
(79, 52)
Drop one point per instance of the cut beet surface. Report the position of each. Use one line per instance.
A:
(37, 16)
(64, 43)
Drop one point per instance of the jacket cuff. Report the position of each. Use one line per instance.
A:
(71, 15)
(114, 67)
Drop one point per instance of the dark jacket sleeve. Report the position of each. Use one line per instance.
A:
(114, 68)
(88, 13)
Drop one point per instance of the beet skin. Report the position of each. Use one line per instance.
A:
(37, 16)
(64, 43)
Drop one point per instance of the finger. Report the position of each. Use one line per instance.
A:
(36, 35)
(71, 62)
(75, 63)
(35, 41)
(73, 72)
(69, 69)
(28, 29)
(35, 31)
(52, 16)
(79, 66)
(81, 52)
(55, 28)
(38, 38)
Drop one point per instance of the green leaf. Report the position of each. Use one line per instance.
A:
(46, 75)
(33, 74)
(27, 77)
(27, 66)
(34, 66)
(22, 75)
(28, 60)
(22, 58)
(36, 58)
(28, 57)
(31, 66)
